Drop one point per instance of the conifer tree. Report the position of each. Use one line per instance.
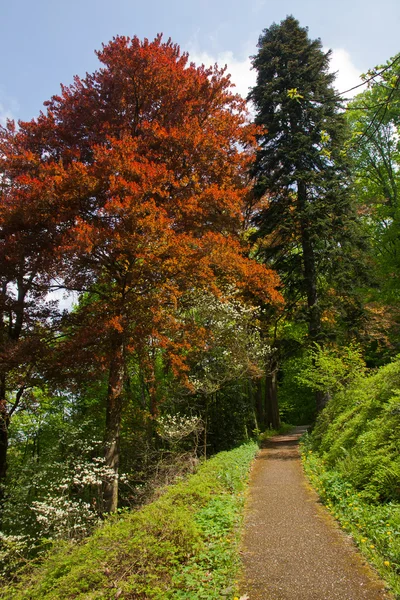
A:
(306, 223)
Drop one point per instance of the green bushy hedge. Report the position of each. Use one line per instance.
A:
(358, 434)
(374, 527)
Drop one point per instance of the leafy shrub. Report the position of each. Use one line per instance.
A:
(374, 527)
(296, 400)
(358, 434)
(353, 460)
(331, 369)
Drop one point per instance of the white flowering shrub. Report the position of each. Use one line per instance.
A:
(59, 499)
(175, 428)
(235, 349)
(64, 518)
(55, 485)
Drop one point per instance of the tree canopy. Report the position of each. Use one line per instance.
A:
(143, 166)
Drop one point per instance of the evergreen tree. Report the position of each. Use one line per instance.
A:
(306, 223)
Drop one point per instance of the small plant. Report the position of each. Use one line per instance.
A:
(375, 528)
(268, 433)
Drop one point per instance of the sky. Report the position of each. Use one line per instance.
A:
(44, 43)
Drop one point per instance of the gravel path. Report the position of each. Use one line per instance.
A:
(292, 547)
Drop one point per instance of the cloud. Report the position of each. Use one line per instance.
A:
(5, 114)
(240, 69)
(348, 75)
(244, 78)
(9, 108)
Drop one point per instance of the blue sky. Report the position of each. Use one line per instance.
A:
(45, 42)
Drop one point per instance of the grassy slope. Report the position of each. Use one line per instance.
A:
(183, 546)
(353, 460)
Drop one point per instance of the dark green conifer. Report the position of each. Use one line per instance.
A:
(307, 228)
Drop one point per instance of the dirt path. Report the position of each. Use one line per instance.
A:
(292, 547)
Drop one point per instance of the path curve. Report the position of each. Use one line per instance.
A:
(292, 548)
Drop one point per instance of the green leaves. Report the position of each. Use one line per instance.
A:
(308, 229)
(374, 118)
(332, 369)
(293, 94)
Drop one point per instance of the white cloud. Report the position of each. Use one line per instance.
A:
(348, 75)
(240, 70)
(9, 108)
(5, 114)
(244, 78)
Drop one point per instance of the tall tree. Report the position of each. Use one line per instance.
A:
(306, 223)
(374, 119)
(151, 156)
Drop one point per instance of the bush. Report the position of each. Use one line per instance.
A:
(358, 434)
(296, 400)
(374, 527)
(353, 460)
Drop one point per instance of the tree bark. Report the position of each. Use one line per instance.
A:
(4, 424)
(113, 425)
(271, 396)
(321, 399)
(260, 408)
(10, 332)
(310, 276)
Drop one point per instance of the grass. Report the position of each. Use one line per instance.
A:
(375, 528)
(182, 546)
(268, 433)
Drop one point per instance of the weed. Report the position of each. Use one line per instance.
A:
(374, 527)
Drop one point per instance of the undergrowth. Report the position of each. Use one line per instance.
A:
(374, 528)
(265, 435)
(353, 460)
(182, 546)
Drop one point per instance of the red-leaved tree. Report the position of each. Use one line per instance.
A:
(148, 159)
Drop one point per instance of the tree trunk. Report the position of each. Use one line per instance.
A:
(310, 277)
(10, 331)
(271, 397)
(4, 424)
(113, 425)
(321, 399)
(260, 408)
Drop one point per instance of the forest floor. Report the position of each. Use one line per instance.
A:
(292, 548)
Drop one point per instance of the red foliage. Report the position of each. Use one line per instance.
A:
(141, 168)
(147, 160)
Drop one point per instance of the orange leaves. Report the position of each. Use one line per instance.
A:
(115, 323)
(227, 258)
(143, 165)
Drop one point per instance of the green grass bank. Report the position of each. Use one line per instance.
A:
(352, 458)
(182, 546)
